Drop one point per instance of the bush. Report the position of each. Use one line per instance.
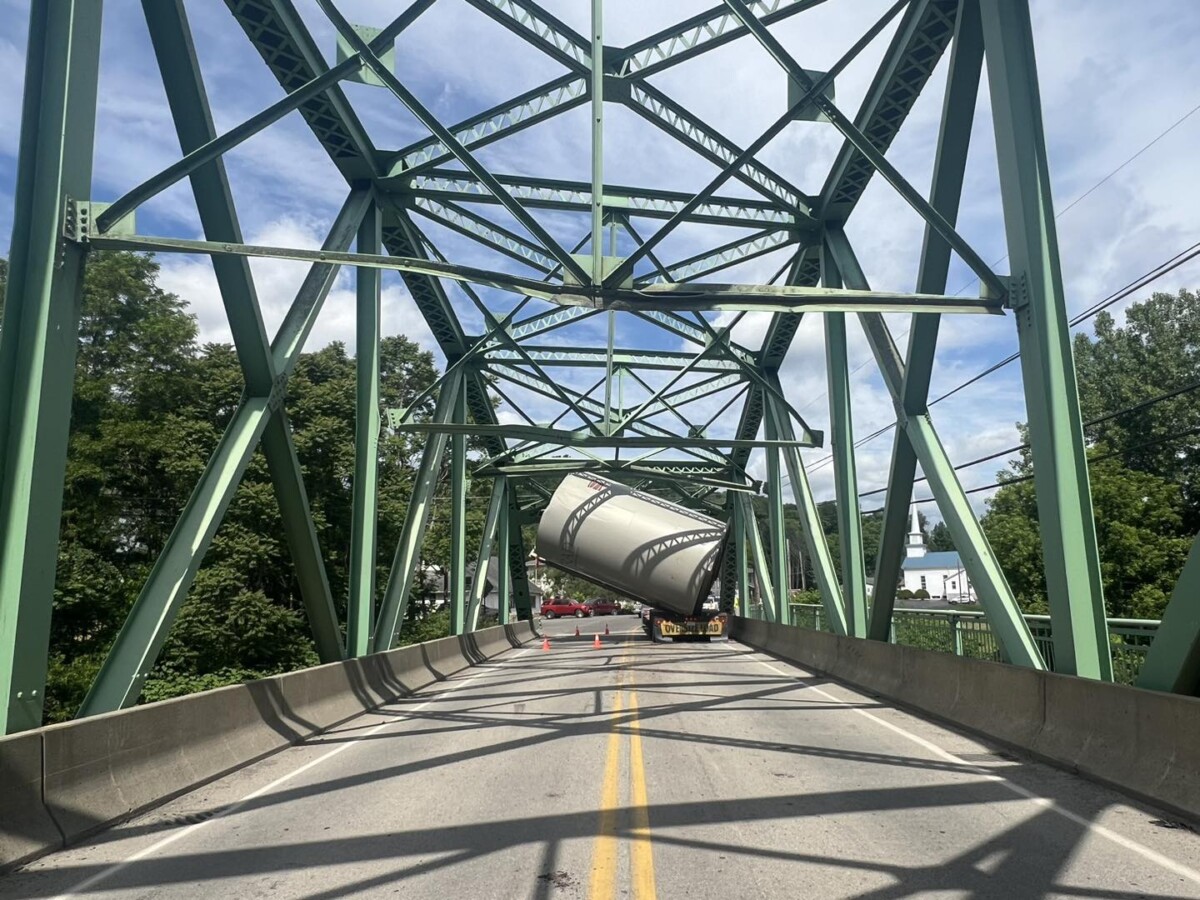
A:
(921, 594)
(905, 594)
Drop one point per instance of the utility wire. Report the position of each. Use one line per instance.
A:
(1099, 420)
(1137, 284)
(1017, 479)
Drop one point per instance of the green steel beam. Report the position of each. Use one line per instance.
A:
(917, 46)
(845, 469)
(412, 536)
(39, 337)
(958, 110)
(518, 578)
(590, 357)
(777, 533)
(576, 196)
(482, 231)
(762, 568)
(979, 561)
(501, 121)
(360, 608)
(1173, 661)
(459, 483)
(534, 24)
(580, 438)
(1074, 587)
(504, 579)
(810, 524)
(497, 510)
(742, 572)
(698, 34)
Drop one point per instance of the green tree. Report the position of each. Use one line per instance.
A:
(1138, 525)
(939, 539)
(1156, 351)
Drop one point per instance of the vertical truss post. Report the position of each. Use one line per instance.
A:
(845, 472)
(458, 516)
(39, 338)
(1173, 661)
(497, 508)
(420, 504)
(954, 138)
(503, 559)
(518, 576)
(742, 570)
(1068, 529)
(778, 534)
(762, 569)
(360, 609)
(810, 519)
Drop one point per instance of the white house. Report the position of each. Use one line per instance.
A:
(940, 573)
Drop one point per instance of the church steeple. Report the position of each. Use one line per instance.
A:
(916, 541)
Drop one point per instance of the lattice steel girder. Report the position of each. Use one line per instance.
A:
(666, 472)
(482, 231)
(459, 484)
(278, 33)
(586, 439)
(777, 533)
(1074, 587)
(576, 196)
(39, 339)
(629, 359)
(979, 561)
(504, 577)
(1173, 661)
(706, 31)
(954, 137)
(660, 110)
(537, 26)
(730, 254)
(916, 48)
(501, 121)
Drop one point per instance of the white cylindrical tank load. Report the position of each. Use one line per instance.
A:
(637, 544)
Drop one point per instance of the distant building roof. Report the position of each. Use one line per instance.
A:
(943, 559)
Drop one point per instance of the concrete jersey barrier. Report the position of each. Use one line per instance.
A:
(1144, 743)
(66, 781)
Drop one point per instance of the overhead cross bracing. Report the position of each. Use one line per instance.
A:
(588, 321)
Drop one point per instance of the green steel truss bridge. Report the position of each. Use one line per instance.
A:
(651, 416)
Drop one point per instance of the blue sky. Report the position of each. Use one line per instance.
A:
(1113, 75)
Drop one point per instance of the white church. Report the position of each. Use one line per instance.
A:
(941, 574)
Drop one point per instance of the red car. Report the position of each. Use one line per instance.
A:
(555, 608)
(604, 607)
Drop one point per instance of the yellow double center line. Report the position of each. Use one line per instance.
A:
(605, 853)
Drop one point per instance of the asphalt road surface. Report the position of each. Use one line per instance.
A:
(636, 771)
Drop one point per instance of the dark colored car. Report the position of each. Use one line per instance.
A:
(604, 607)
(556, 608)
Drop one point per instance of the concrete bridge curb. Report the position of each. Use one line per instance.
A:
(1144, 743)
(66, 781)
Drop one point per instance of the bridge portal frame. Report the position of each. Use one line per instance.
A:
(56, 224)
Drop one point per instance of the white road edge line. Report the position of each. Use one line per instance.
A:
(1128, 843)
(105, 874)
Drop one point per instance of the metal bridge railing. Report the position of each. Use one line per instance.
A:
(967, 633)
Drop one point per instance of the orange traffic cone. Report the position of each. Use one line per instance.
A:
(576, 631)
(606, 629)
(596, 643)
(545, 643)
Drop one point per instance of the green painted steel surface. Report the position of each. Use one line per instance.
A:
(661, 411)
